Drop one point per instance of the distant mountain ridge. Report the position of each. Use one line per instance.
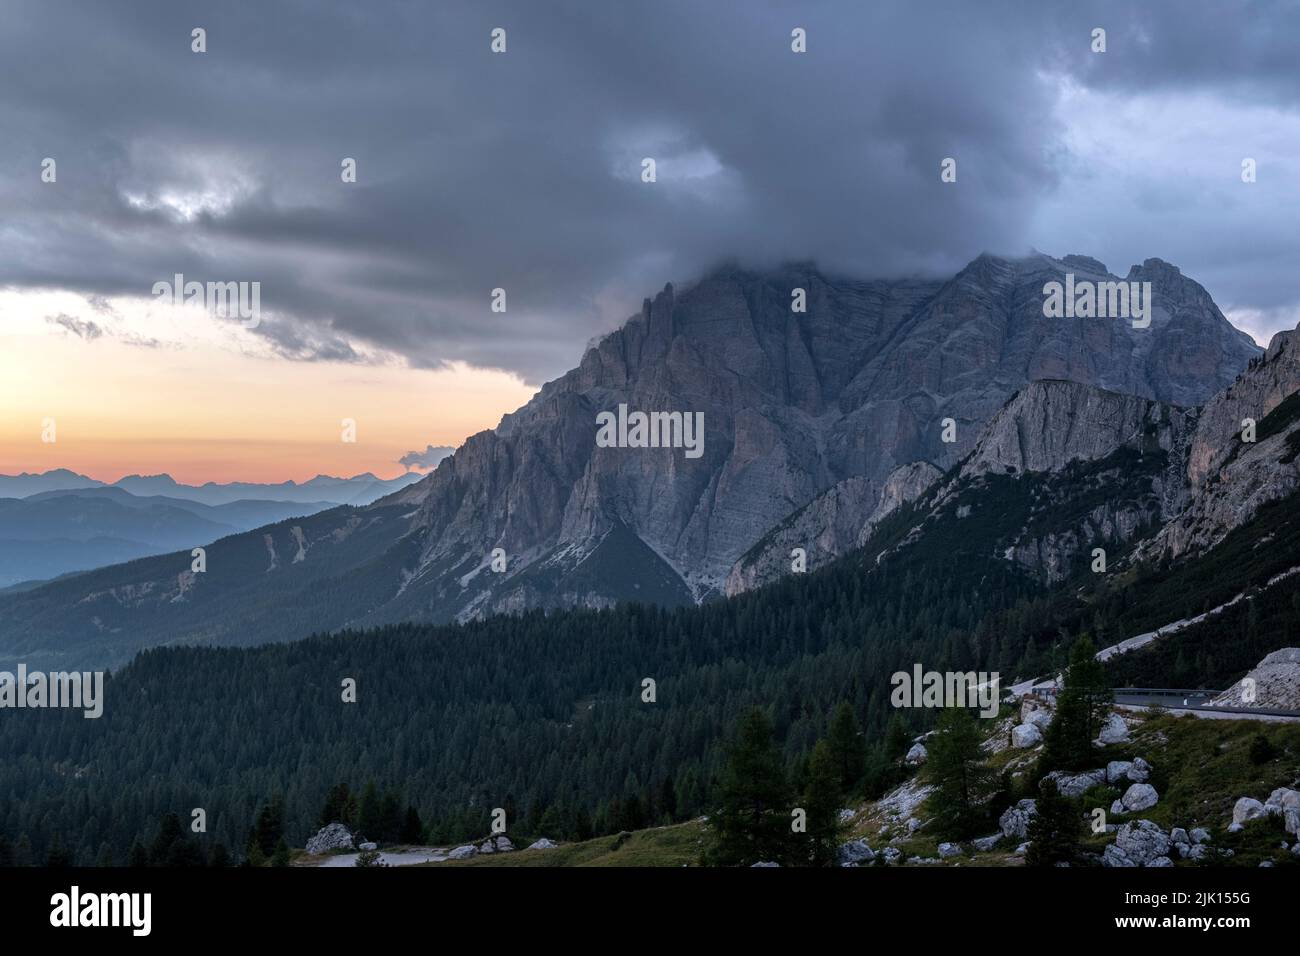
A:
(357, 490)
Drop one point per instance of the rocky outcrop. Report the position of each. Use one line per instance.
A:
(1273, 683)
(1232, 478)
(334, 836)
(838, 520)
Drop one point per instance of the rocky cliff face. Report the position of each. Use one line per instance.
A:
(805, 415)
(1231, 478)
(1061, 469)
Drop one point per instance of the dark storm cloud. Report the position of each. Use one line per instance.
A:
(521, 170)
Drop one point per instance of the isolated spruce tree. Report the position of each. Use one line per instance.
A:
(340, 807)
(1055, 832)
(370, 813)
(1082, 706)
(821, 802)
(281, 855)
(169, 831)
(846, 749)
(752, 819)
(270, 825)
(961, 780)
(897, 739)
(59, 857)
(412, 828)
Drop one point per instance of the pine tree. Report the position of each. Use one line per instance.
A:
(169, 831)
(961, 780)
(1081, 708)
(270, 825)
(59, 857)
(1055, 831)
(412, 829)
(897, 740)
(281, 856)
(752, 820)
(846, 749)
(821, 803)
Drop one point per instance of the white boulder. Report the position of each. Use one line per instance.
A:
(1142, 841)
(855, 852)
(462, 853)
(916, 756)
(1113, 731)
(1026, 735)
(542, 844)
(1247, 808)
(335, 836)
(1015, 820)
(1140, 796)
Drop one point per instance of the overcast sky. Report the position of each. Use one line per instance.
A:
(522, 170)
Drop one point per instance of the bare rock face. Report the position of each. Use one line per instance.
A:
(808, 418)
(1232, 479)
(1273, 683)
(838, 520)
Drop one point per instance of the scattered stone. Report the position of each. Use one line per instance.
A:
(1179, 835)
(1247, 808)
(1199, 835)
(846, 815)
(1015, 820)
(1117, 770)
(1114, 856)
(855, 852)
(1161, 861)
(1140, 796)
(1140, 771)
(916, 756)
(1075, 784)
(1117, 808)
(1114, 731)
(1142, 841)
(496, 844)
(985, 844)
(367, 846)
(1026, 735)
(913, 824)
(462, 853)
(543, 844)
(1022, 849)
(1235, 827)
(335, 836)
(1042, 719)
(1266, 863)
(764, 863)
(947, 850)
(923, 859)
(892, 854)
